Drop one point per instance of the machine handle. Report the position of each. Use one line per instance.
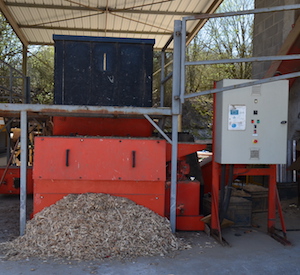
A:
(67, 157)
(133, 158)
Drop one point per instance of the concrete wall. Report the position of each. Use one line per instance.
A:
(270, 31)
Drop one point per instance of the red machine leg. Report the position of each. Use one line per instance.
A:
(272, 199)
(280, 213)
(273, 202)
(215, 222)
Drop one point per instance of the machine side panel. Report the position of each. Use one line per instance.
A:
(148, 194)
(99, 159)
(99, 126)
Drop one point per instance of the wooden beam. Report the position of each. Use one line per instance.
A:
(11, 20)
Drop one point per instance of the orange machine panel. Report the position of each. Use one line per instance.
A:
(187, 206)
(188, 198)
(99, 158)
(184, 149)
(190, 223)
(148, 194)
(95, 126)
(11, 181)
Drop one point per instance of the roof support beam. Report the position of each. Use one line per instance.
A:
(13, 23)
(103, 9)
(91, 30)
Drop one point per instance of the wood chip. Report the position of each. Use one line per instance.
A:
(95, 226)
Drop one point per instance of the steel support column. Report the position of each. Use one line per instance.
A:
(175, 114)
(272, 199)
(23, 172)
(162, 76)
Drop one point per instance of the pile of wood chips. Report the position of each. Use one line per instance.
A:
(95, 226)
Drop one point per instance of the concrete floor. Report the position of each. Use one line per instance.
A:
(252, 251)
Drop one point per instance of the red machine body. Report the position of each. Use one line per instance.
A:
(11, 181)
(187, 210)
(99, 126)
(134, 167)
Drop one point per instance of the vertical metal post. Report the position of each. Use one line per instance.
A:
(24, 70)
(215, 182)
(162, 76)
(287, 175)
(272, 199)
(176, 109)
(23, 192)
(182, 60)
(10, 85)
(27, 90)
(294, 155)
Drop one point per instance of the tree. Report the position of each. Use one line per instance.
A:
(41, 71)
(220, 38)
(10, 45)
(40, 65)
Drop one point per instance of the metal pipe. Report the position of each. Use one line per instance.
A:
(162, 78)
(245, 12)
(243, 85)
(240, 60)
(159, 70)
(24, 70)
(168, 43)
(27, 90)
(294, 158)
(169, 76)
(23, 172)
(173, 199)
(158, 129)
(176, 108)
(182, 61)
(13, 69)
(10, 86)
(76, 110)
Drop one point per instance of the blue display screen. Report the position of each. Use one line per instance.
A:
(234, 112)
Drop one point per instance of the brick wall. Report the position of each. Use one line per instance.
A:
(270, 30)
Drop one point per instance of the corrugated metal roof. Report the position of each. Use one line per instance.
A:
(35, 21)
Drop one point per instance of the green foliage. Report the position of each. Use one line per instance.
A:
(41, 70)
(10, 45)
(40, 64)
(220, 38)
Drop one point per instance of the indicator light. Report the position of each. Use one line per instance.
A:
(258, 121)
(252, 120)
(255, 141)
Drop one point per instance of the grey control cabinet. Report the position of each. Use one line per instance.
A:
(251, 123)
